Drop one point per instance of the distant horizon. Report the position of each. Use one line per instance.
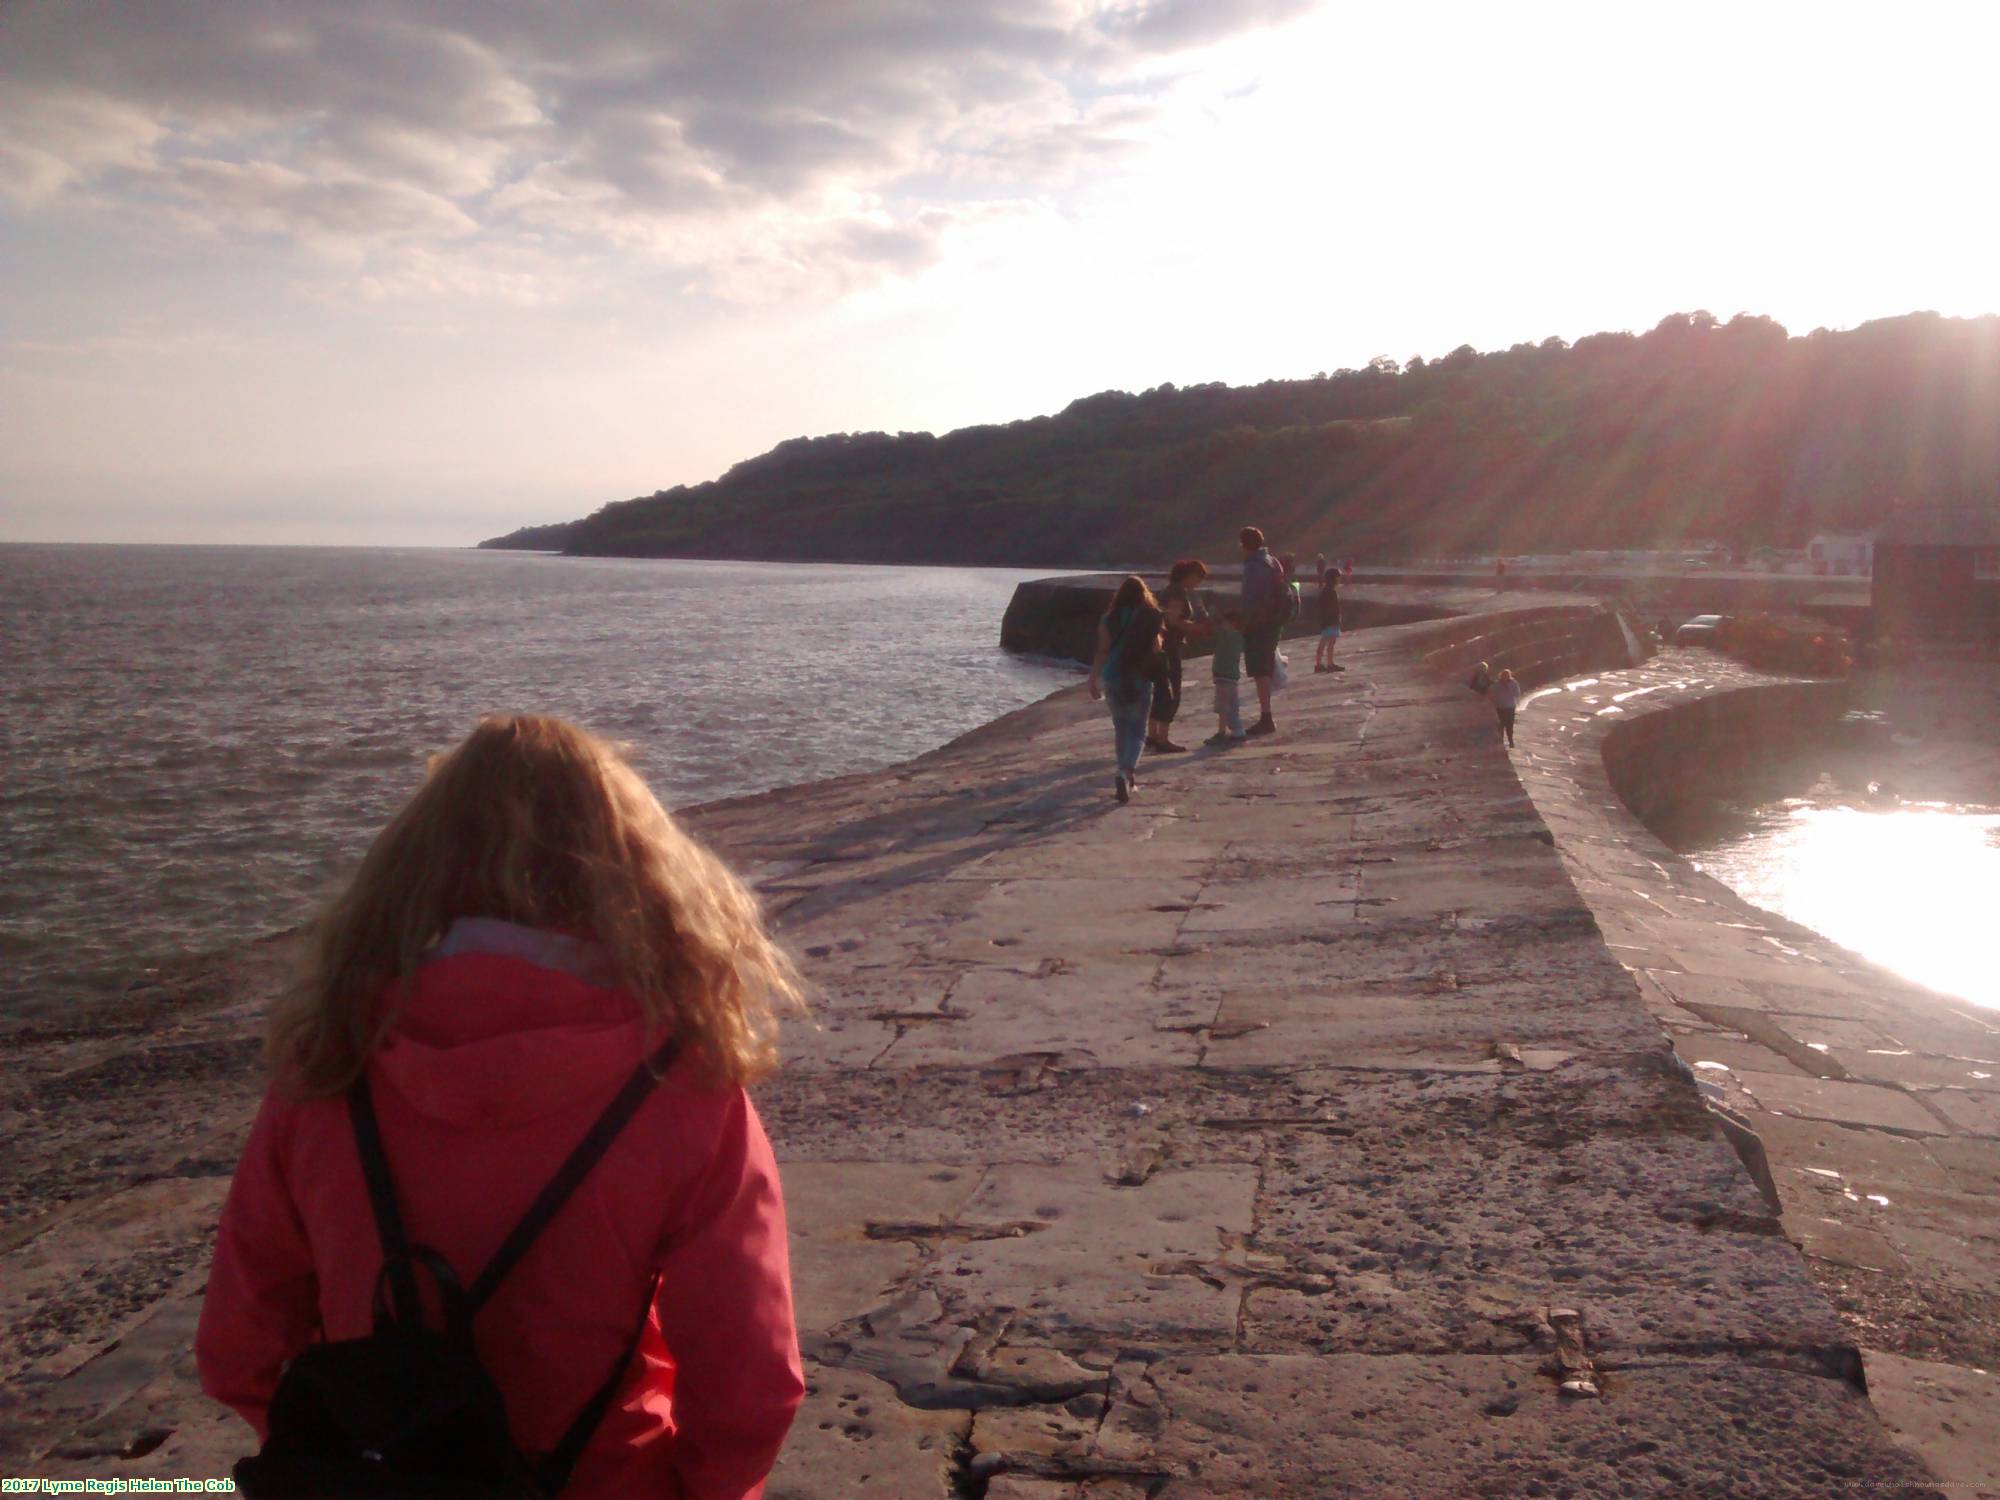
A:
(299, 272)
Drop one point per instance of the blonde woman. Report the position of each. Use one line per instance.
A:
(1128, 638)
(531, 947)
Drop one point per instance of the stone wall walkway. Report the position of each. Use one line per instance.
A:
(1253, 1139)
(1289, 1132)
(1876, 1103)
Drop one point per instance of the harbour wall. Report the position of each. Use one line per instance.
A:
(1291, 1130)
(1058, 616)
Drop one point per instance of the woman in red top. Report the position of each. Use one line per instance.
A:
(526, 930)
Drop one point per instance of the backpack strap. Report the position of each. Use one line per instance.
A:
(555, 1468)
(409, 1309)
(596, 1141)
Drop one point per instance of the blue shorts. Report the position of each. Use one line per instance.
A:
(1331, 633)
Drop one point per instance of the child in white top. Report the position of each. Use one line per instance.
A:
(1506, 696)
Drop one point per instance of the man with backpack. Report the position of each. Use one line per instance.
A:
(1268, 604)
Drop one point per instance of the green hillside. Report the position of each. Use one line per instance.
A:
(1698, 429)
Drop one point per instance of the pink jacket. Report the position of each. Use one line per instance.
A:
(495, 1069)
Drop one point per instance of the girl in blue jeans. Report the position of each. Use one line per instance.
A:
(1127, 637)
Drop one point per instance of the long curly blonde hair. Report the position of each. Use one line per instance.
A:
(533, 820)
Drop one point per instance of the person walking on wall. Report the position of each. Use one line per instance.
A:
(1128, 641)
(1184, 623)
(1329, 622)
(536, 984)
(1506, 698)
(1264, 611)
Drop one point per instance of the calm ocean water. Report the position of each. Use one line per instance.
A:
(198, 740)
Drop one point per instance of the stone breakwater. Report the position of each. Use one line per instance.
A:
(1868, 1106)
(1291, 1131)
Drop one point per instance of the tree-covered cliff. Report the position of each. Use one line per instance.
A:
(1697, 429)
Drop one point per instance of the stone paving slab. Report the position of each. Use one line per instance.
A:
(1107, 1012)
(1860, 1104)
(843, 1263)
(1969, 1112)
(855, 1436)
(1101, 1261)
(1942, 1411)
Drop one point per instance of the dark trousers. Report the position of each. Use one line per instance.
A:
(1506, 723)
(1167, 691)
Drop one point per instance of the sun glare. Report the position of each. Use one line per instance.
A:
(1911, 889)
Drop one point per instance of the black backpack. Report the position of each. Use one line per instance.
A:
(1133, 654)
(409, 1412)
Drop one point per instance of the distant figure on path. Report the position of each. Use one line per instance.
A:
(1499, 575)
(1264, 611)
(1128, 639)
(1329, 622)
(530, 939)
(1184, 623)
(1226, 667)
(1506, 698)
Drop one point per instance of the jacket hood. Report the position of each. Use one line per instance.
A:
(497, 1040)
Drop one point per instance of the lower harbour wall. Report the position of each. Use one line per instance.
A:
(1857, 1100)
(1662, 762)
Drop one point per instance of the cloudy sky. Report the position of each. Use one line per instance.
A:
(396, 271)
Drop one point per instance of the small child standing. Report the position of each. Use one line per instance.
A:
(1226, 666)
(1506, 697)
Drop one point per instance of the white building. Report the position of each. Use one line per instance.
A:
(1844, 554)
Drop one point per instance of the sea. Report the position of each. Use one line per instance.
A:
(1821, 860)
(197, 742)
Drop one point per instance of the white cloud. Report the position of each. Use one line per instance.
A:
(339, 216)
(54, 136)
(753, 147)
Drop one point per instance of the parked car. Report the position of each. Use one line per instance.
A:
(1700, 631)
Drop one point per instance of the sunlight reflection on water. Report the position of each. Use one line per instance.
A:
(1911, 888)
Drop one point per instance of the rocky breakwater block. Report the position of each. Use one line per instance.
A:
(1057, 616)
